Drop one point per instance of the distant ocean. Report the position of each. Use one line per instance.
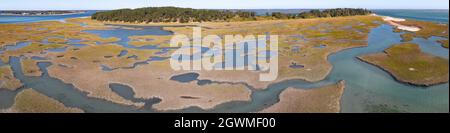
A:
(441, 16)
(26, 19)
(425, 15)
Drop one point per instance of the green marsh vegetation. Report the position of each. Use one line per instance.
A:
(427, 30)
(408, 64)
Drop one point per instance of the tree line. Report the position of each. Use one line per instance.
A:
(322, 13)
(185, 15)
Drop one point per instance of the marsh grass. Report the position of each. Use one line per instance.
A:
(30, 68)
(31, 101)
(408, 64)
(7, 79)
(427, 30)
(444, 43)
(319, 100)
(30, 49)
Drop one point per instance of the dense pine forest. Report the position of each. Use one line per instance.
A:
(185, 15)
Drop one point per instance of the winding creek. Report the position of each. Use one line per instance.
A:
(366, 85)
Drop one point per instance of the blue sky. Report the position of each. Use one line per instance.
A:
(221, 4)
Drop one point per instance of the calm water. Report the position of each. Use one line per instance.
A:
(366, 86)
(26, 19)
(425, 15)
(124, 33)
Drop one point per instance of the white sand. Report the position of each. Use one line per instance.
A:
(387, 18)
(392, 21)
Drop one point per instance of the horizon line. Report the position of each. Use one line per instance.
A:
(233, 9)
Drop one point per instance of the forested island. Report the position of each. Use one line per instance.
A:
(186, 15)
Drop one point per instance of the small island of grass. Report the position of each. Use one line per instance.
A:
(31, 101)
(406, 63)
(444, 43)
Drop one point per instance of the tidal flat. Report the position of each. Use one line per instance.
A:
(305, 42)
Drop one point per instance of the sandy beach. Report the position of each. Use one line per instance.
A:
(392, 21)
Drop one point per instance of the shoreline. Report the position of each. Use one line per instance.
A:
(392, 21)
(400, 80)
(296, 78)
(42, 15)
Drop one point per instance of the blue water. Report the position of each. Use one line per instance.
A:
(26, 19)
(17, 46)
(123, 53)
(184, 78)
(123, 34)
(38, 58)
(58, 50)
(431, 46)
(366, 85)
(425, 15)
(65, 93)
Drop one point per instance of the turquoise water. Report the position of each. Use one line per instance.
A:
(425, 15)
(366, 86)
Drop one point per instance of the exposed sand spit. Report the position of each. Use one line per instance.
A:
(392, 21)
